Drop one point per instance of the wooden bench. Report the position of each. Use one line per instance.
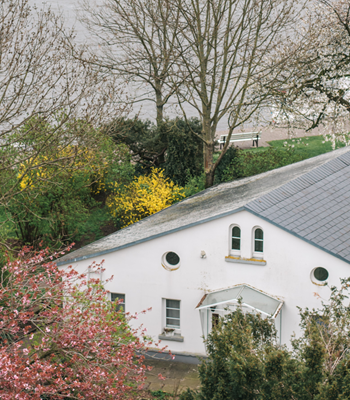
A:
(241, 136)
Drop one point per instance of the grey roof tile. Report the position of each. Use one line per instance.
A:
(324, 205)
(340, 247)
(344, 253)
(312, 235)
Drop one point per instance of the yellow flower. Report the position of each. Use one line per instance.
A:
(43, 168)
(144, 196)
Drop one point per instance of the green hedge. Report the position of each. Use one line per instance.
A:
(238, 163)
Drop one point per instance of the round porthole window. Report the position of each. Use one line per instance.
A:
(319, 275)
(171, 261)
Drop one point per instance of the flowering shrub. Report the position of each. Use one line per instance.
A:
(92, 164)
(60, 337)
(62, 203)
(144, 196)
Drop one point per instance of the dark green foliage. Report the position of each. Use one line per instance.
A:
(194, 185)
(245, 362)
(243, 163)
(51, 213)
(235, 368)
(171, 146)
(184, 155)
(72, 207)
(159, 394)
(58, 214)
(189, 394)
(227, 164)
(147, 142)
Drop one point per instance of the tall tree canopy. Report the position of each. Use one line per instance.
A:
(136, 44)
(314, 88)
(49, 100)
(226, 48)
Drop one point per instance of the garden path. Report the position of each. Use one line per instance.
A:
(272, 133)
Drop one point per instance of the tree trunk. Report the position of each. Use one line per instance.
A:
(208, 151)
(208, 133)
(160, 106)
(209, 179)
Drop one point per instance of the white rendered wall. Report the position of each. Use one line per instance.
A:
(139, 274)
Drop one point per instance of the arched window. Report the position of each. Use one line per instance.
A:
(258, 240)
(236, 238)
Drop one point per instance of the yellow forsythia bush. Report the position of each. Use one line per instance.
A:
(144, 196)
(44, 168)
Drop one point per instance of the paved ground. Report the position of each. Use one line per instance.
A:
(179, 376)
(270, 133)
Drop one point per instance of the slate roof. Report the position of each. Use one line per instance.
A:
(308, 199)
(315, 206)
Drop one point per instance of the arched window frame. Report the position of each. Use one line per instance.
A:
(258, 254)
(235, 252)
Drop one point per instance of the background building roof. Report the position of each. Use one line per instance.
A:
(308, 199)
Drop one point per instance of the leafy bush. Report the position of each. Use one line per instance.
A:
(241, 163)
(194, 185)
(145, 140)
(172, 146)
(227, 163)
(184, 154)
(245, 361)
(52, 213)
(160, 394)
(60, 204)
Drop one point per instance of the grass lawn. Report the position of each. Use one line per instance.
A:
(254, 161)
(306, 147)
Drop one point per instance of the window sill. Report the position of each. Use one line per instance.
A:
(176, 338)
(242, 260)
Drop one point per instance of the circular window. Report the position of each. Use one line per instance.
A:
(172, 258)
(319, 275)
(171, 261)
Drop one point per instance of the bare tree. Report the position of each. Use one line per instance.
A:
(49, 101)
(227, 49)
(315, 88)
(136, 44)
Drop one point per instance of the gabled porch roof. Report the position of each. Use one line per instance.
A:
(245, 295)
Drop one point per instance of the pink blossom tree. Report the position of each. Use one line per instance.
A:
(60, 338)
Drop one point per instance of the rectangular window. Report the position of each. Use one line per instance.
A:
(172, 313)
(258, 246)
(116, 297)
(236, 238)
(258, 240)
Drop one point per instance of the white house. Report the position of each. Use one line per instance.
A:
(272, 240)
